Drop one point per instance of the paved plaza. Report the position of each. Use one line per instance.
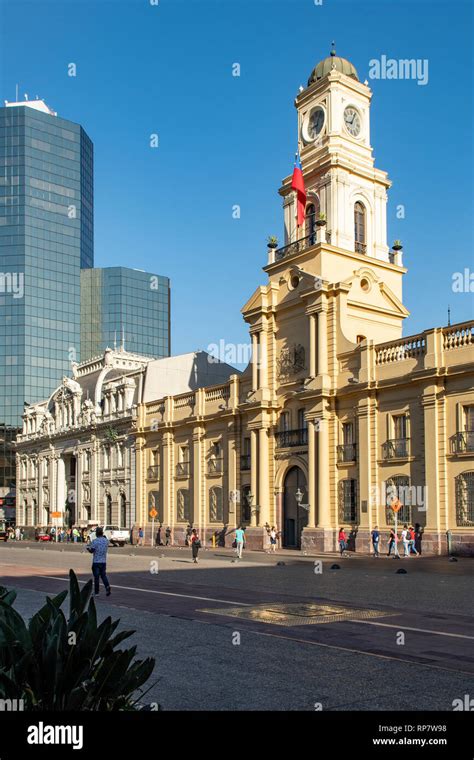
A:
(258, 635)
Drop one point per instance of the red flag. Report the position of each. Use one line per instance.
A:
(297, 183)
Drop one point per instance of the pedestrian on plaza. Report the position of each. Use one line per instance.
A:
(141, 536)
(405, 536)
(158, 536)
(267, 538)
(273, 539)
(99, 548)
(392, 544)
(239, 541)
(195, 544)
(167, 536)
(411, 541)
(17, 534)
(375, 541)
(188, 536)
(75, 535)
(342, 541)
(418, 537)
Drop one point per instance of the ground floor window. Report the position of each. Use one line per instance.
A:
(246, 505)
(348, 511)
(398, 488)
(464, 485)
(216, 504)
(154, 502)
(183, 506)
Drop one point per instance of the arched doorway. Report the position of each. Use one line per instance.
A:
(295, 517)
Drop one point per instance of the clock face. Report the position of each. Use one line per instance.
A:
(315, 123)
(352, 121)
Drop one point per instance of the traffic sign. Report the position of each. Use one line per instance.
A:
(153, 513)
(55, 514)
(396, 505)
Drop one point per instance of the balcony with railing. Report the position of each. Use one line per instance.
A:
(298, 246)
(215, 466)
(182, 470)
(153, 472)
(245, 462)
(287, 438)
(360, 247)
(346, 452)
(463, 442)
(396, 448)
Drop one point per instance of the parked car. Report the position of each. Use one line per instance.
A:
(117, 536)
(43, 536)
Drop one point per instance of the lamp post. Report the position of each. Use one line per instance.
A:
(299, 500)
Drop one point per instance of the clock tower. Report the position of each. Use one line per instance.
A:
(341, 180)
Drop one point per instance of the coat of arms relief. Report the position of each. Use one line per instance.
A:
(291, 361)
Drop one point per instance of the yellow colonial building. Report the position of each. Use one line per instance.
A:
(336, 411)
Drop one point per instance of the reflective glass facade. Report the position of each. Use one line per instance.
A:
(116, 302)
(7, 458)
(46, 236)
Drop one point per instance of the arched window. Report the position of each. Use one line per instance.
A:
(312, 215)
(216, 505)
(360, 228)
(310, 224)
(183, 512)
(398, 487)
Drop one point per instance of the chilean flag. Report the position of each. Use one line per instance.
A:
(297, 183)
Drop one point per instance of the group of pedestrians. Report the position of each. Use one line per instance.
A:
(15, 533)
(410, 537)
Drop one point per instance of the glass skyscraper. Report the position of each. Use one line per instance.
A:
(46, 237)
(124, 306)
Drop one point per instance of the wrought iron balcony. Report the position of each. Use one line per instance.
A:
(347, 452)
(214, 466)
(463, 442)
(153, 472)
(296, 247)
(182, 469)
(285, 438)
(396, 448)
(245, 462)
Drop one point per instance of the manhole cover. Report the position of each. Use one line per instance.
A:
(297, 614)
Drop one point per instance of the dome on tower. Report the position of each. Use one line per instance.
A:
(332, 62)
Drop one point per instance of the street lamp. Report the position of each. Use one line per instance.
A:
(299, 499)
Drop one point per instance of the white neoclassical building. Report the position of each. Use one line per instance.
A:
(76, 453)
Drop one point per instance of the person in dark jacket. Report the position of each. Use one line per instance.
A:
(195, 544)
(418, 537)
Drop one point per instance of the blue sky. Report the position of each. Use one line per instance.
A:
(224, 140)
